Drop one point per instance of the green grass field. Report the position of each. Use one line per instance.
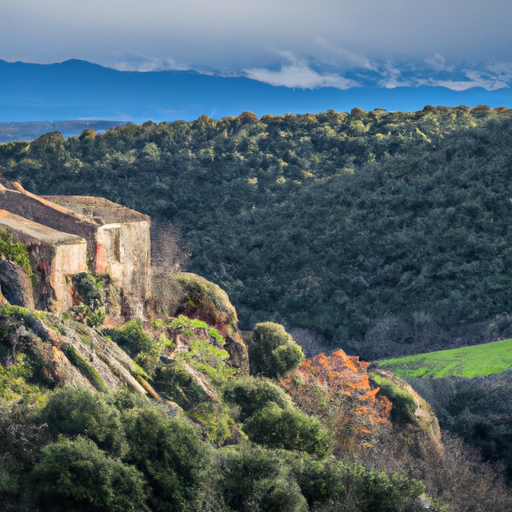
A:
(459, 362)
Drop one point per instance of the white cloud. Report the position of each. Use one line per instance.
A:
(438, 63)
(132, 62)
(490, 77)
(392, 77)
(500, 71)
(298, 74)
(475, 80)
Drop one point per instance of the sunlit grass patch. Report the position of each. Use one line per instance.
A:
(466, 362)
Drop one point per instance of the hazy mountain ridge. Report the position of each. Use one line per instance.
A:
(81, 90)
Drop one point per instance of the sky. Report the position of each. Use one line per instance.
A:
(457, 44)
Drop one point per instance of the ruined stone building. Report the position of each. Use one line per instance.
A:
(65, 235)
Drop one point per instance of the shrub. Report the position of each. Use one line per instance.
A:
(74, 412)
(252, 394)
(253, 479)
(94, 291)
(288, 429)
(14, 250)
(76, 475)
(336, 486)
(88, 288)
(272, 351)
(133, 338)
(170, 454)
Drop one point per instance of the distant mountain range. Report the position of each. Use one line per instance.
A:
(80, 90)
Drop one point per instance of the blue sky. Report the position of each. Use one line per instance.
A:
(338, 43)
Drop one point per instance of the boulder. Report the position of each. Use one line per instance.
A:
(15, 284)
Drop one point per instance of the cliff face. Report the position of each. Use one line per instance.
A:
(53, 255)
(60, 239)
(15, 285)
(409, 407)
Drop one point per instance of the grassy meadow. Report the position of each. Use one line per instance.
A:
(466, 362)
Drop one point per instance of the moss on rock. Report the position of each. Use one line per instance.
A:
(195, 297)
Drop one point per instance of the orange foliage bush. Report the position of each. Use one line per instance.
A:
(336, 389)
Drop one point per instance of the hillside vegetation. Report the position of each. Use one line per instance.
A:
(386, 232)
(460, 362)
(165, 419)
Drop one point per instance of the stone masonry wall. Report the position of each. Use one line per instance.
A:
(53, 256)
(118, 241)
(31, 207)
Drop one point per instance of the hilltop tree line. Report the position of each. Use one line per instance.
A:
(385, 232)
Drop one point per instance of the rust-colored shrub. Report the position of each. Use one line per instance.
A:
(337, 390)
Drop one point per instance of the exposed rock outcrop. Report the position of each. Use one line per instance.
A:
(15, 284)
(413, 444)
(116, 239)
(191, 295)
(68, 353)
(409, 407)
(52, 254)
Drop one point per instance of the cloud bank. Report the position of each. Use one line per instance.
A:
(293, 43)
(243, 34)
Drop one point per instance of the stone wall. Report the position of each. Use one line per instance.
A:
(53, 256)
(25, 204)
(118, 239)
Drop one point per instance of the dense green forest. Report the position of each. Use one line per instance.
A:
(386, 232)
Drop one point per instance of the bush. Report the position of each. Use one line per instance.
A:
(272, 351)
(14, 250)
(74, 412)
(170, 454)
(288, 429)
(252, 395)
(76, 475)
(92, 291)
(88, 288)
(335, 486)
(133, 338)
(253, 479)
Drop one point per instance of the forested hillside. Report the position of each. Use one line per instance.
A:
(388, 233)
